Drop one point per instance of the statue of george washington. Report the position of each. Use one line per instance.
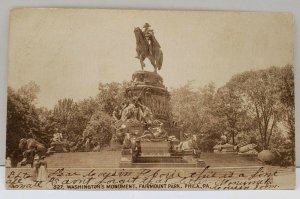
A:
(148, 47)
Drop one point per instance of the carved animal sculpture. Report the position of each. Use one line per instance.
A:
(30, 147)
(189, 144)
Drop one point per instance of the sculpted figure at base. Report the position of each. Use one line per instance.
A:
(190, 145)
(135, 110)
(30, 147)
(57, 143)
(154, 133)
(134, 115)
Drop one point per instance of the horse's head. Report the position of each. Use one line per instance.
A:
(138, 33)
(23, 143)
(137, 30)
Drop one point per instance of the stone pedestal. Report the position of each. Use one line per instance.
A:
(126, 159)
(149, 87)
(201, 163)
(155, 148)
(57, 147)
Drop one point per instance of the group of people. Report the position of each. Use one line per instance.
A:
(39, 169)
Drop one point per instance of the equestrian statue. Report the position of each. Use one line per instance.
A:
(148, 47)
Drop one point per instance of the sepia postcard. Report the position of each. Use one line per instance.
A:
(103, 99)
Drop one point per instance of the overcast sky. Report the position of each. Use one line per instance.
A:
(68, 52)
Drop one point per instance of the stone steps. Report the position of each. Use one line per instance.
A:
(103, 159)
(111, 159)
(159, 159)
(163, 165)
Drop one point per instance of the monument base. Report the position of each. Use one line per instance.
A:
(158, 155)
(57, 148)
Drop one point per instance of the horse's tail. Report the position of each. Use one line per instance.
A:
(160, 60)
(180, 145)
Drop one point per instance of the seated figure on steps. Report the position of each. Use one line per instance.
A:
(57, 143)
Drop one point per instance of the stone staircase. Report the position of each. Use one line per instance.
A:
(111, 158)
(102, 159)
(230, 160)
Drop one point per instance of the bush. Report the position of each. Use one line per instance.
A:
(206, 143)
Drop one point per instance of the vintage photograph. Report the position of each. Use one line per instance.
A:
(103, 99)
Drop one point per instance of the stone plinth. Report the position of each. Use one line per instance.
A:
(155, 148)
(149, 87)
(152, 148)
(57, 147)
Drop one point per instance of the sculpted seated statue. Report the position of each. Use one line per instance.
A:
(155, 133)
(131, 111)
(57, 143)
(129, 141)
(57, 138)
(135, 110)
(134, 121)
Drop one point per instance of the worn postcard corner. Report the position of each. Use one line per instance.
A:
(155, 100)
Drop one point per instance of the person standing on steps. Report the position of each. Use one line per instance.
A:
(42, 171)
(35, 167)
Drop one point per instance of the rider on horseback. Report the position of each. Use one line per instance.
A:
(148, 34)
(148, 47)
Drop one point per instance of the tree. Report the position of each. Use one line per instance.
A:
(86, 108)
(111, 95)
(100, 128)
(260, 94)
(186, 109)
(65, 118)
(287, 97)
(193, 111)
(29, 92)
(68, 117)
(229, 108)
(22, 122)
(46, 129)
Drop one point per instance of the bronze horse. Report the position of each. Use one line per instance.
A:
(30, 147)
(149, 50)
